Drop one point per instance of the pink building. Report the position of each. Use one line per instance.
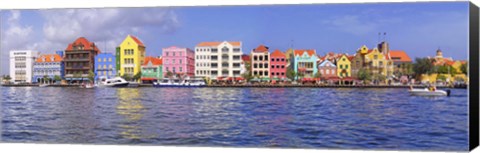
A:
(178, 61)
(278, 65)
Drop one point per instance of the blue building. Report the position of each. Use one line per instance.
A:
(105, 66)
(48, 65)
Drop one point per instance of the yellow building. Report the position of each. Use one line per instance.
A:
(132, 54)
(344, 66)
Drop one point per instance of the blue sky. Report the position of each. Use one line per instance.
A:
(417, 28)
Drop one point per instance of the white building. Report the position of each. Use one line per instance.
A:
(260, 57)
(21, 65)
(218, 59)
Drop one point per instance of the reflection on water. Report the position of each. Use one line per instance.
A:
(241, 117)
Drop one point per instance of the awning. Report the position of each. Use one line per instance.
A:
(148, 79)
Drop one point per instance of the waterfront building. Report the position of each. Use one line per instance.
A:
(305, 62)
(327, 69)
(401, 61)
(79, 59)
(278, 65)
(344, 66)
(21, 65)
(218, 59)
(260, 64)
(105, 66)
(178, 61)
(152, 69)
(359, 60)
(130, 55)
(454, 69)
(49, 65)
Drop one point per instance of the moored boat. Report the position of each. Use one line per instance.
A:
(429, 92)
(196, 82)
(114, 82)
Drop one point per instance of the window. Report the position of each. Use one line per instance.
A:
(375, 56)
(109, 59)
(273, 74)
(180, 68)
(180, 61)
(341, 66)
(273, 59)
(346, 66)
(99, 60)
(273, 66)
(104, 59)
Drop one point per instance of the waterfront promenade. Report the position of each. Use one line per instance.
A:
(265, 86)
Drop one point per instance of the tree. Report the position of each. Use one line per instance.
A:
(423, 66)
(464, 68)
(169, 74)
(137, 76)
(126, 77)
(77, 75)
(364, 74)
(91, 76)
(317, 75)
(45, 78)
(247, 76)
(57, 78)
(7, 78)
(291, 74)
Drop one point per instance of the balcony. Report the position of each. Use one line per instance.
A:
(77, 67)
(76, 59)
(71, 75)
(128, 65)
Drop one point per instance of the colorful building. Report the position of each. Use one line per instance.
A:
(130, 54)
(327, 69)
(359, 61)
(79, 60)
(152, 69)
(49, 65)
(105, 66)
(400, 61)
(260, 64)
(344, 66)
(278, 65)
(21, 65)
(179, 61)
(218, 59)
(245, 61)
(305, 62)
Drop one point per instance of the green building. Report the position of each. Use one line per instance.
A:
(151, 70)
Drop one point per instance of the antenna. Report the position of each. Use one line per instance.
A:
(379, 34)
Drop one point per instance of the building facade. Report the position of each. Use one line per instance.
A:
(21, 65)
(130, 54)
(179, 61)
(305, 62)
(327, 69)
(278, 65)
(260, 64)
(344, 66)
(79, 60)
(218, 59)
(152, 69)
(105, 66)
(49, 65)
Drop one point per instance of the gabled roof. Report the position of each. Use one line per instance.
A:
(215, 44)
(322, 63)
(350, 57)
(154, 60)
(277, 53)
(140, 43)
(261, 48)
(85, 43)
(48, 58)
(395, 54)
(300, 52)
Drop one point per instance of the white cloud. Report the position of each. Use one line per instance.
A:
(107, 27)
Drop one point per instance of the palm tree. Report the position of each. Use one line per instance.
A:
(7, 78)
(57, 78)
(91, 76)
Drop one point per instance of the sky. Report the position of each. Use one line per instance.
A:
(417, 28)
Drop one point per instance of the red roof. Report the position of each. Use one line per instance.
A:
(154, 60)
(350, 57)
(277, 53)
(261, 48)
(85, 43)
(300, 52)
(48, 58)
(214, 44)
(140, 43)
(245, 57)
(400, 55)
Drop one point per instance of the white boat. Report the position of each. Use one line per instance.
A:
(180, 83)
(113, 82)
(426, 92)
